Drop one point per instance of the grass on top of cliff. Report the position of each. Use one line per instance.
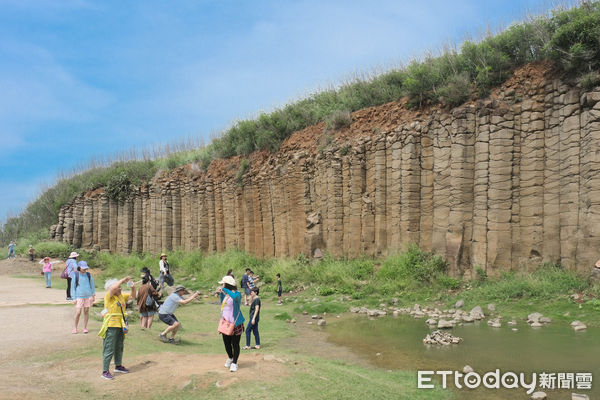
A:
(413, 276)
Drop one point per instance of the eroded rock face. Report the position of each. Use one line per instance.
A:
(501, 184)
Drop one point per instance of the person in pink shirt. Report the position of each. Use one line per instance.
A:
(47, 270)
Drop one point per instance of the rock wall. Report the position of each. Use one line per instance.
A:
(503, 184)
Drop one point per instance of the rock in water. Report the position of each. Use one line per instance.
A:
(538, 396)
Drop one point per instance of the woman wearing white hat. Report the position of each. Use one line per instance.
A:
(231, 314)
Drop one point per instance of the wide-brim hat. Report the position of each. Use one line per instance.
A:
(162, 255)
(598, 264)
(228, 280)
(181, 287)
(73, 254)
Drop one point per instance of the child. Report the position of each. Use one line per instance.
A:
(279, 289)
(254, 318)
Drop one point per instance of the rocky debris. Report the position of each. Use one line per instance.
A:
(459, 304)
(495, 323)
(395, 301)
(321, 322)
(538, 396)
(512, 322)
(477, 313)
(444, 324)
(315, 316)
(578, 326)
(491, 307)
(466, 369)
(304, 312)
(537, 320)
(431, 321)
(354, 309)
(442, 338)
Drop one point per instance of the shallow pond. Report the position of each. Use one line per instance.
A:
(399, 341)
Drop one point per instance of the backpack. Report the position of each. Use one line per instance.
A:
(89, 280)
(149, 300)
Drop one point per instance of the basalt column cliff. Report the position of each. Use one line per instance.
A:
(503, 183)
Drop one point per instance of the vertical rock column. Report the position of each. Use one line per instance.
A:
(334, 213)
(78, 221)
(87, 240)
(500, 191)
(426, 197)
(380, 195)
(394, 192)
(531, 196)
(480, 190)
(410, 219)
(570, 137)
(104, 223)
(357, 187)
(552, 167)
(441, 182)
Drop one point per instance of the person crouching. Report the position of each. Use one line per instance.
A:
(166, 313)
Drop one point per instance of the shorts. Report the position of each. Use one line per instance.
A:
(148, 314)
(85, 303)
(168, 319)
(247, 291)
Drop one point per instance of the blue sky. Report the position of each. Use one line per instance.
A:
(86, 79)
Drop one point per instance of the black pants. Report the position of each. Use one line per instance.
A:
(68, 287)
(232, 346)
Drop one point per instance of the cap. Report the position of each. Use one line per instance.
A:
(181, 287)
(82, 265)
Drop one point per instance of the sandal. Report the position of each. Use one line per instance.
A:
(246, 348)
(257, 347)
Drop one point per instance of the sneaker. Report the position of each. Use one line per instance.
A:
(107, 375)
(69, 298)
(174, 341)
(163, 338)
(233, 367)
(121, 369)
(228, 363)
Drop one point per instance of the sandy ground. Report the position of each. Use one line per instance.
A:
(37, 326)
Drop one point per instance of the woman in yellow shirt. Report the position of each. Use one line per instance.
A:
(115, 303)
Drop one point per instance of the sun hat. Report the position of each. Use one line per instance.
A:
(73, 254)
(181, 287)
(162, 255)
(228, 280)
(82, 265)
(598, 264)
(110, 283)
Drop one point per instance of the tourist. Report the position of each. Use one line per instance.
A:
(252, 279)
(254, 317)
(244, 285)
(165, 272)
(279, 290)
(83, 293)
(167, 310)
(146, 299)
(71, 269)
(231, 313)
(114, 326)
(47, 270)
(11, 249)
(31, 252)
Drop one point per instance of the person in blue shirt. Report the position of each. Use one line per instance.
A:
(244, 285)
(11, 250)
(83, 293)
(71, 270)
(167, 310)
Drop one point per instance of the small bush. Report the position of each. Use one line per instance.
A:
(457, 90)
(338, 119)
(589, 80)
